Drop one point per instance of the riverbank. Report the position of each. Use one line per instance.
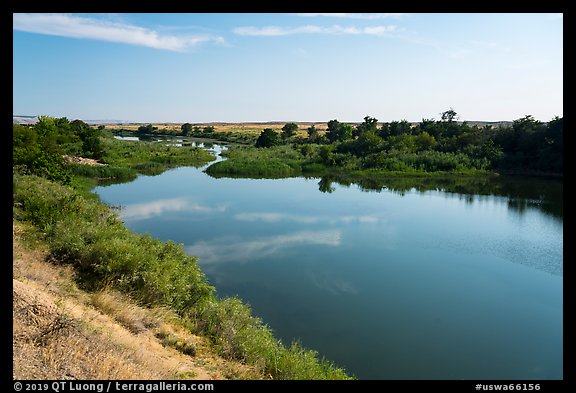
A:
(56, 324)
(85, 235)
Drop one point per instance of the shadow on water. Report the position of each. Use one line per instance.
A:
(545, 194)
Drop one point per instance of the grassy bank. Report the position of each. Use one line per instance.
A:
(62, 332)
(81, 232)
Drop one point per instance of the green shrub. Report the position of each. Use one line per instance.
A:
(239, 335)
(42, 202)
(103, 172)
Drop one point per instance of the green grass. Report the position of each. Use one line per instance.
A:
(247, 161)
(152, 158)
(320, 160)
(103, 172)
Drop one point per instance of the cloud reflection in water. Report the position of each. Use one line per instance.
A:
(231, 249)
(272, 217)
(140, 211)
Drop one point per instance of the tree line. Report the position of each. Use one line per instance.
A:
(446, 144)
(527, 146)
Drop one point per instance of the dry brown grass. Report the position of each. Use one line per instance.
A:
(246, 128)
(61, 332)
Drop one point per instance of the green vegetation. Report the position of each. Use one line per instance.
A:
(186, 128)
(268, 138)
(82, 232)
(289, 130)
(274, 162)
(51, 194)
(446, 146)
(152, 158)
(40, 150)
(147, 129)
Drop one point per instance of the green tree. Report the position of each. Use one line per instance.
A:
(337, 131)
(312, 133)
(424, 141)
(35, 150)
(449, 115)
(491, 151)
(448, 126)
(384, 130)
(289, 130)
(326, 154)
(306, 150)
(367, 143)
(268, 138)
(90, 137)
(430, 126)
(208, 129)
(78, 127)
(370, 124)
(332, 130)
(399, 127)
(552, 152)
(406, 143)
(48, 134)
(345, 132)
(186, 128)
(147, 129)
(25, 145)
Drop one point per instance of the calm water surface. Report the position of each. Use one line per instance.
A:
(402, 282)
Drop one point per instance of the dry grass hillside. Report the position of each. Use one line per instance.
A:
(61, 332)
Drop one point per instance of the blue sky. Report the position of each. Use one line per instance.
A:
(288, 67)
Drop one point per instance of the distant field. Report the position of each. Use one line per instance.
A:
(256, 128)
(249, 127)
(245, 128)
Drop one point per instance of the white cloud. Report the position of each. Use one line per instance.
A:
(367, 16)
(66, 25)
(140, 211)
(271, 31)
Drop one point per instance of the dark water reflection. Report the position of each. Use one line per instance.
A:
(523, 192)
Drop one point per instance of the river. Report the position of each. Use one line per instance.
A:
(408, 279)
